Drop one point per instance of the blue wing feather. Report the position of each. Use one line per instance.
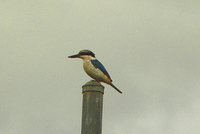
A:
(100, 66)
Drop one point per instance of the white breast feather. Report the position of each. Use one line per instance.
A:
(95, 73)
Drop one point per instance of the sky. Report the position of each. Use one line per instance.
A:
(150, 48)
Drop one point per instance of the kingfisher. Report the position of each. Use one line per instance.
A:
(94, 68)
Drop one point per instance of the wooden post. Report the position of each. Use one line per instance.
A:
(92, 108)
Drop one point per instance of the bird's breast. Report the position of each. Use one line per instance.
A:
(95, 73)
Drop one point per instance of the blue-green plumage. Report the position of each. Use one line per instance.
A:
(99, 65)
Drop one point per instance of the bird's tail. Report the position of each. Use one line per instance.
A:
(115, 88)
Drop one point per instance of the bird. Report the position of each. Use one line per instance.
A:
(94, 68)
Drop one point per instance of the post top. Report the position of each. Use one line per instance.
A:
(93, 86)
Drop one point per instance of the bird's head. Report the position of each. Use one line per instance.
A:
(83, 54)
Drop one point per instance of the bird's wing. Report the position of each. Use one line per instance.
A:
(100, 66)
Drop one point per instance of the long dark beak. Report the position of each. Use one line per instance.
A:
(74, 56)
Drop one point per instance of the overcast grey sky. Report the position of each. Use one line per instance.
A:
(151, 49)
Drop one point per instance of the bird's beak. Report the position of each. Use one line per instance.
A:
(74, 56)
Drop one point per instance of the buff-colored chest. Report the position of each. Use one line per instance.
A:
(95, 73)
